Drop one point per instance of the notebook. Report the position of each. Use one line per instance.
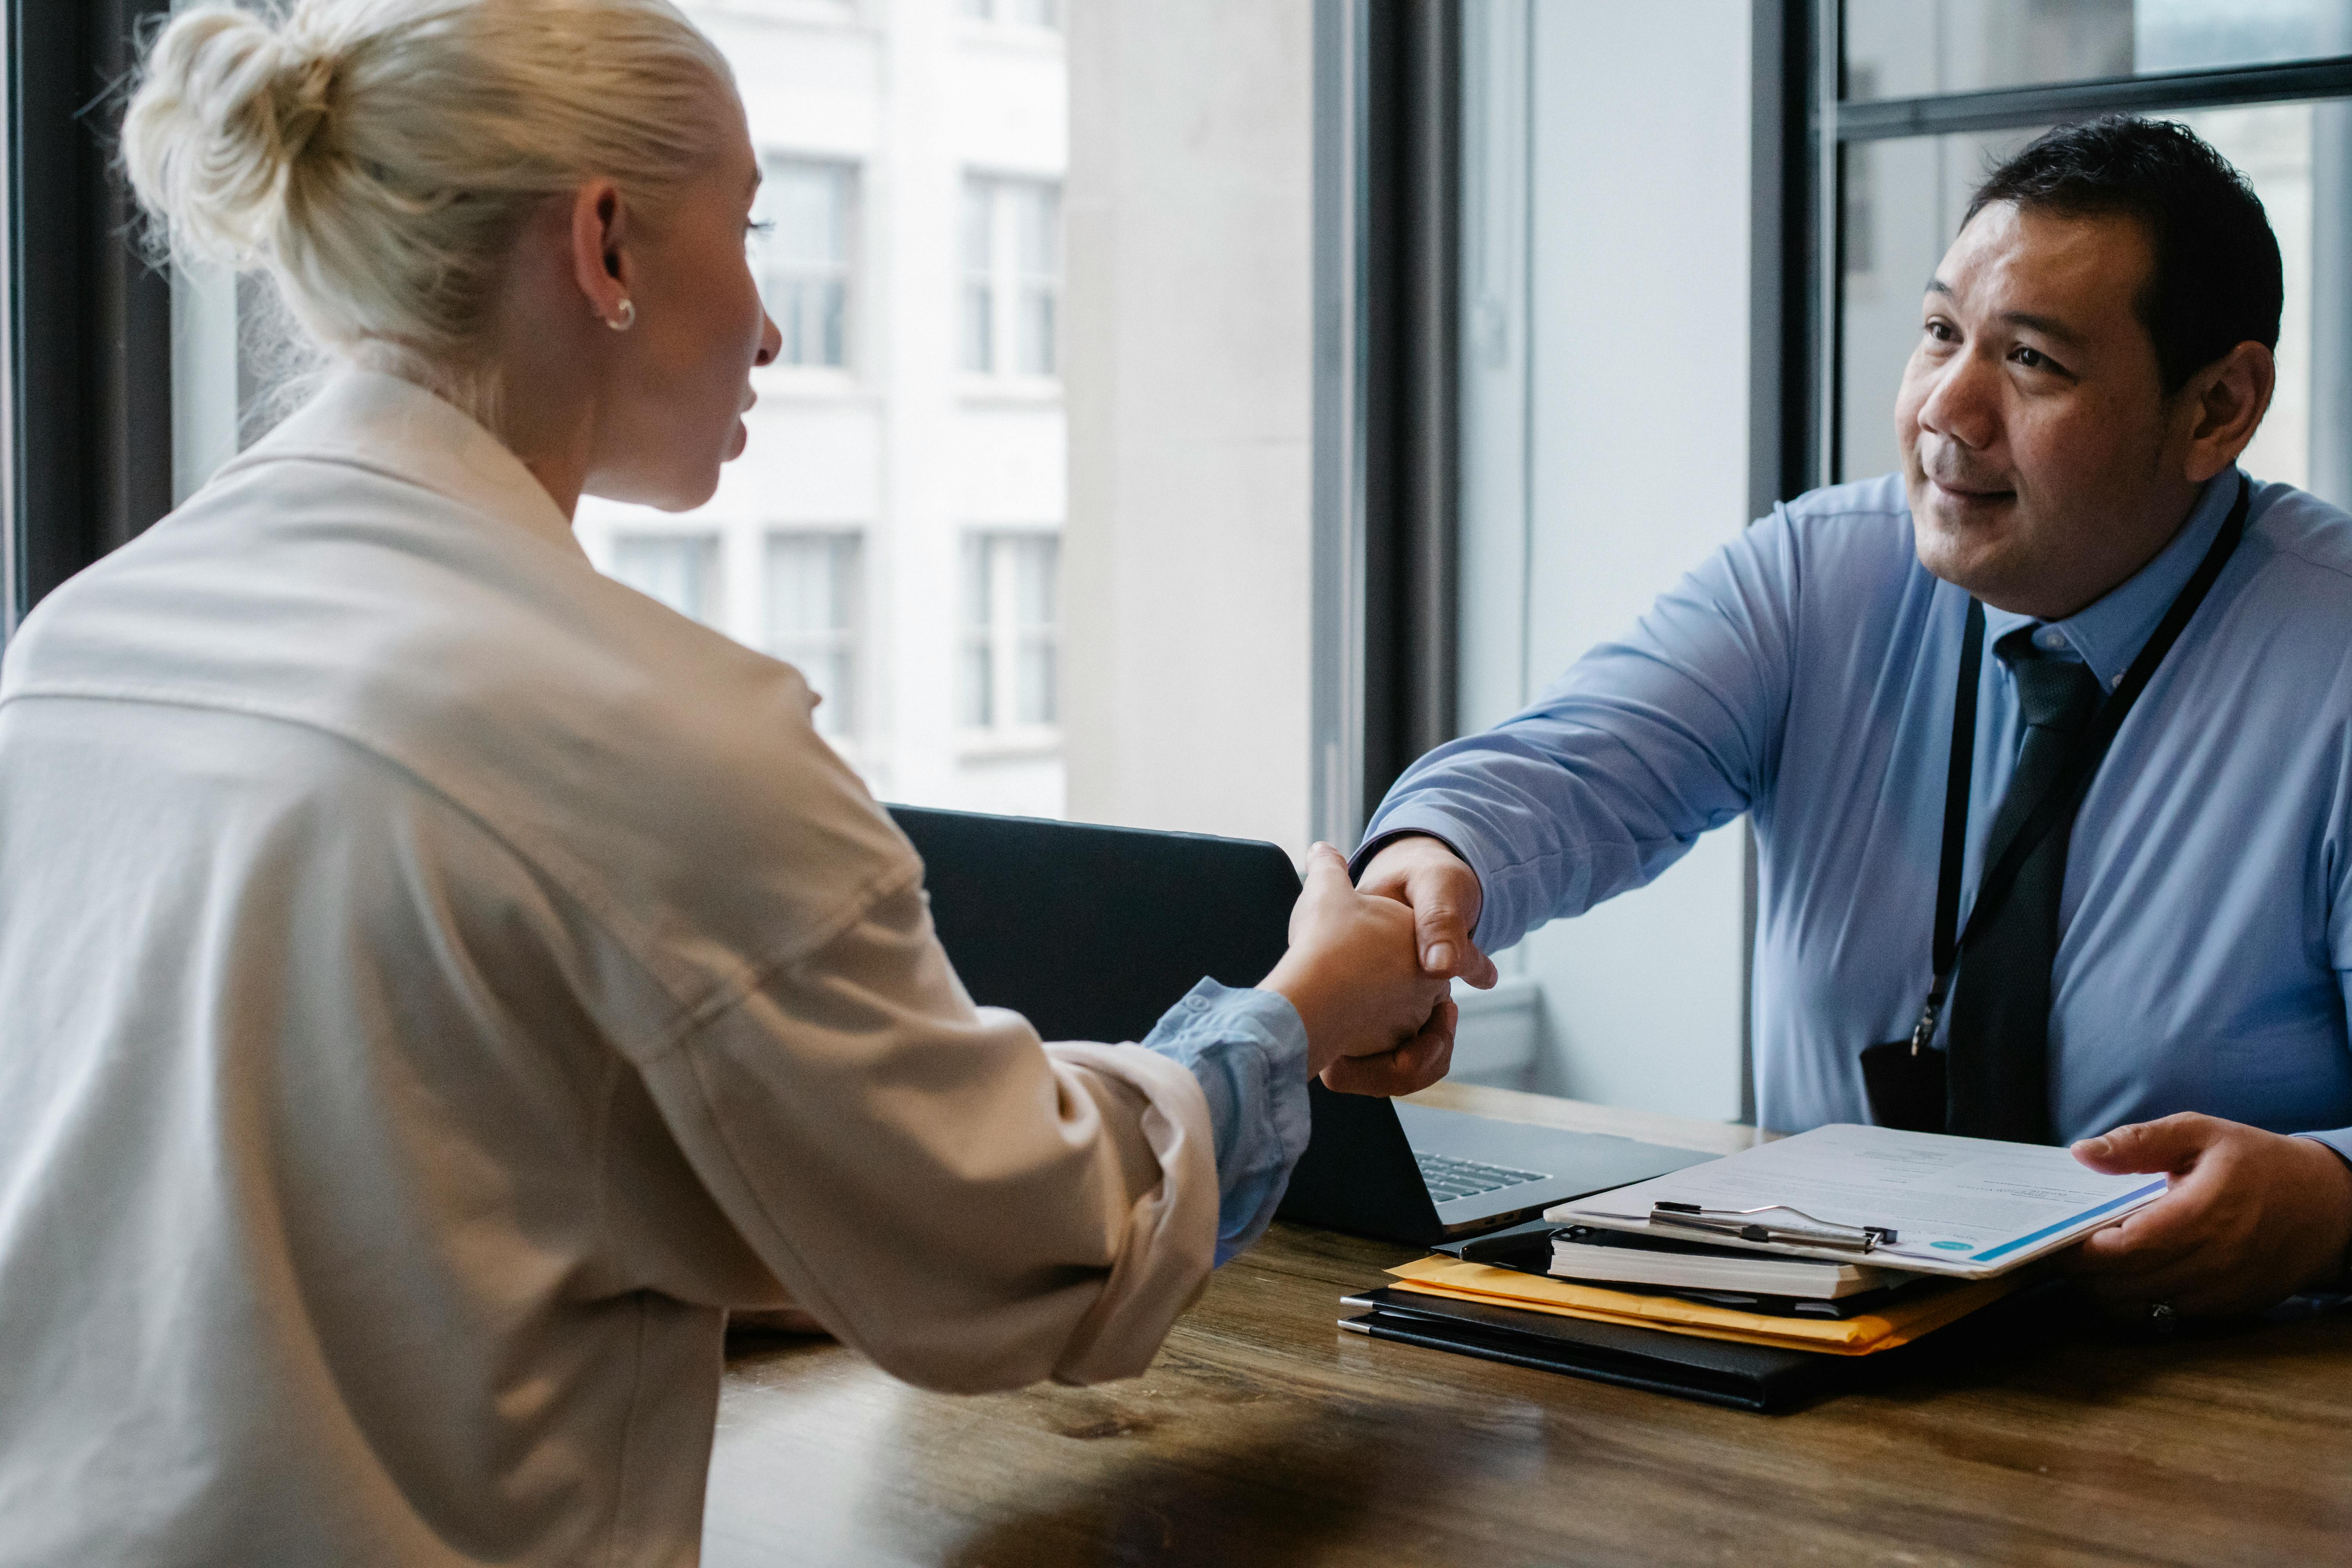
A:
(1585, 1252)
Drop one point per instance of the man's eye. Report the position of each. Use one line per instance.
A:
(2032, 359)
(1940, 330)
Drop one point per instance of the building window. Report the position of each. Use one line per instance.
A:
(1026, 13)
(1011, 277)
(812, 619)
(1011, 632)
(801, 258)
(681, 570)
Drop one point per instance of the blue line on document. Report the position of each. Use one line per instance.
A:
(1990, 1253)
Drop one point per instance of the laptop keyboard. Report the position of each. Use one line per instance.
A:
(1450, 1179)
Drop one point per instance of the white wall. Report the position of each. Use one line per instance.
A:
(1635, 465)
(1186, 552)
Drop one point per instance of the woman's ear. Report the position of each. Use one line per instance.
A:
(2225, 403)
(600, 260)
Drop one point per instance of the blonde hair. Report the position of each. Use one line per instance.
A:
(378, 158)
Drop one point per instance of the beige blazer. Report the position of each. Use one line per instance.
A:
(436, 983)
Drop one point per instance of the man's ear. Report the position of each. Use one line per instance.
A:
(2222, 407)
(599, 261)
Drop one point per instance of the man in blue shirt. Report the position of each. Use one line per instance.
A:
(2163, 975)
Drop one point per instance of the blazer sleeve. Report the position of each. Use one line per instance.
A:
(969, 1207)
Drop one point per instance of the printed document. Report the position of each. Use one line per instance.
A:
(1967, 1206)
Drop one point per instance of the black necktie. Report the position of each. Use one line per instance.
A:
(1999, 1069)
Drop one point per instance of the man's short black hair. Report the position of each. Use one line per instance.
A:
(2217, 281)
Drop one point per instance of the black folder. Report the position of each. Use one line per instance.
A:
(1718, 1372)
(1764, 1378)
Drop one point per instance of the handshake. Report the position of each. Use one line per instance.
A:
(1370, 969)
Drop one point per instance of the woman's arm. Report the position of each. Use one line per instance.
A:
(970, 1207)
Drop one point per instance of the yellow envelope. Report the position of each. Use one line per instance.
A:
(1861, 1335)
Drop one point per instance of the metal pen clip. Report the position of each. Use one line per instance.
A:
(1736, 1222)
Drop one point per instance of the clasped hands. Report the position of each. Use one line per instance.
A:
(2249, 1216)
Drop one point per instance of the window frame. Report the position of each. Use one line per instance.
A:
(88, 332)
(1004, 281)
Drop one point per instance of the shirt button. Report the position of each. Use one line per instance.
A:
(1198, 1004)
(2050, 639)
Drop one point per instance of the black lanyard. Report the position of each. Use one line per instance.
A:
(2065, 792)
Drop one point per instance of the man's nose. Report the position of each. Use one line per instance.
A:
(1963, 402)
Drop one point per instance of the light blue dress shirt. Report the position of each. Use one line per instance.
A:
(1248, 1050)
(1804, 674)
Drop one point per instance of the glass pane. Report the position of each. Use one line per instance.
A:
(979, 241)
(976, 705)
(1036, 217)
(675, 568)
(1908, 48)
(979, 582)
(1033, 683)
(812, 595)
(805, 203)
(1914, 190)
(1035, 563)
(1037, 355)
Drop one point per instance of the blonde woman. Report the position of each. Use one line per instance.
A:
(440, 982)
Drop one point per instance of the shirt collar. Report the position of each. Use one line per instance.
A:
(2107, 633)
(397, 428)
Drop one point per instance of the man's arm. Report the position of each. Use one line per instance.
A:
(1646, 742)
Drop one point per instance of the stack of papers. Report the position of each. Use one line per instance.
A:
(1968, 1207)
(1815, 1221)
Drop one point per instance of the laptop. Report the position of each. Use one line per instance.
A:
(1091, 934)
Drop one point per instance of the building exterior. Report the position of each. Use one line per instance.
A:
(894, 527)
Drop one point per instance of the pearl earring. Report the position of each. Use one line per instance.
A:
(625, 318)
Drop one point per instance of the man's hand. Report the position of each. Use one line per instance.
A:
(2251, 1217)
(1443, 892)
(1375, 1023)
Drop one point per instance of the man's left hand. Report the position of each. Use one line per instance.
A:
(2251, 1217)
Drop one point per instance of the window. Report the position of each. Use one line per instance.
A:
(1011, 277)
(679, 569)
(1012, 639)
(803, 258)
(811, 612)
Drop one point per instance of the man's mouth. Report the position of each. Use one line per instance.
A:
(1970, 494)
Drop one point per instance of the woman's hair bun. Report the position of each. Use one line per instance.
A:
(378, 158)
(227, 100)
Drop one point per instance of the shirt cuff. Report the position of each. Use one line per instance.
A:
(2338, 1142)
(1248, 1050)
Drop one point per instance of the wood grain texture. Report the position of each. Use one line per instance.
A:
(1264, 1435)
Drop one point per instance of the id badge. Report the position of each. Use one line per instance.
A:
(1905, 1086)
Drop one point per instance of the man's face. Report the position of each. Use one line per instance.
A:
(2032, 420)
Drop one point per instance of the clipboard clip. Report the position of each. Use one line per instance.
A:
(1739, 1222)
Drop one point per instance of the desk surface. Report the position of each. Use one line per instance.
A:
(1264, 1435)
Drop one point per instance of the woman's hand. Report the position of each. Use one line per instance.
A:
(1376, 1023)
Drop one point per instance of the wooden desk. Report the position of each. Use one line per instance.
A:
(1264, 1435)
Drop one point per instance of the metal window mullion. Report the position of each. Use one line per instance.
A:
(1999, 109)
